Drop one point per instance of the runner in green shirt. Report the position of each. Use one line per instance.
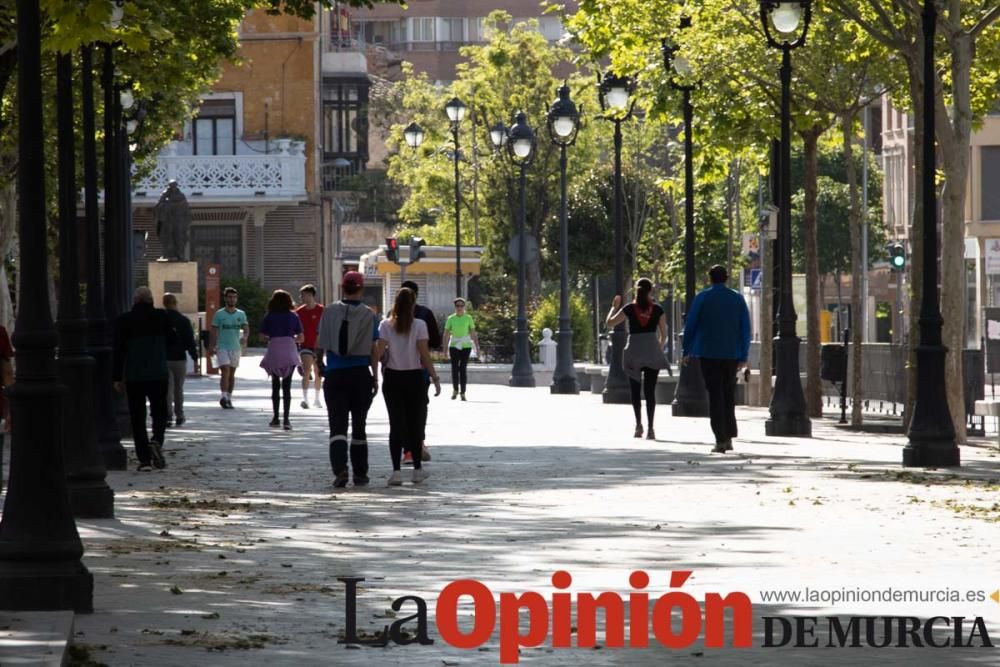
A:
(229, 334)
(460, 339)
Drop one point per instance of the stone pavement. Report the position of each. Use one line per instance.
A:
(231, 555)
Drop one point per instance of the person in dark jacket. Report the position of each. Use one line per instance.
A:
(177, 352)
(433, 343)
(142, 336)
(717, 332)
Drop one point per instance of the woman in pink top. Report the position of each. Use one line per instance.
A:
(402, 347)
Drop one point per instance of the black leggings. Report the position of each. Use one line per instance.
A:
(648, 387)
(285, 385)
(405, 394)
(459, 362)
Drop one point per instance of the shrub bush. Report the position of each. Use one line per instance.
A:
(547, 315)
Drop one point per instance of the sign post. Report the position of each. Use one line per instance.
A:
(213, 287)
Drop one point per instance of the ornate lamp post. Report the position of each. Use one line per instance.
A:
(40, 548)
(456, 112)
(781, 21)
(563, 123)
(691, 397)
(931, 434)
(89, 494)
(615, 93)
(520, 143)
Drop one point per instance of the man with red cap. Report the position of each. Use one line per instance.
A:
(346, 352)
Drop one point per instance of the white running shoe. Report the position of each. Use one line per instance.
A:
(420, 475)
(317, 404)
(396, 479)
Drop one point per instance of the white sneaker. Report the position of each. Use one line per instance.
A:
(420, 475)
(396, 479)
(317, 404)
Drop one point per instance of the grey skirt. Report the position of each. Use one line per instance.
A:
(642, 351)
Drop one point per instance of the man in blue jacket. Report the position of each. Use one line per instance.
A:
(717, 332)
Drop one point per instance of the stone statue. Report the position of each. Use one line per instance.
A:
(173, 219)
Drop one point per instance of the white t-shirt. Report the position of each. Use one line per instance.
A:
(403, 353)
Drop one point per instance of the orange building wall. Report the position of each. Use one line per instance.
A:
(277, 56)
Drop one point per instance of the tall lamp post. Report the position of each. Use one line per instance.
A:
(615, 93)
(781, 21)
(691, 396)
(456, 112)
(931, 434)
(564, 123)
(520, 143)
(40, 548)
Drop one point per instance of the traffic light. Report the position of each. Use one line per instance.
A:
(416, 254)
(897, 257)
(392, 249)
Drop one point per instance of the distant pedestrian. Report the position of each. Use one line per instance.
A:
(717, 332)
(403, 339)
(140, 370)
(229, 335)
(6, 378)
(283, 331)
(434, 344)
(348, 332)
(642, 357)
(310, 313)
(182, 346)
(461, 340)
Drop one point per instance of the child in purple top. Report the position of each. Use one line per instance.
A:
(283, 331)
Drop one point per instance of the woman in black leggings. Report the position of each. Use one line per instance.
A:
(460, 340)
(283, 331)
(642, 357)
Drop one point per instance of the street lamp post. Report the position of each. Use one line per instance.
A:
(564, 123)
(456, 112)
(520, 143)
(931, 434)
(89, 494)
(40, 548)
(788, 404)
(614, 92)
(691, 396)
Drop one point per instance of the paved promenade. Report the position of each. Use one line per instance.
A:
(231, 555)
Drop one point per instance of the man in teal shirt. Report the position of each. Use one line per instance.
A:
(229, 333)
(717, 332)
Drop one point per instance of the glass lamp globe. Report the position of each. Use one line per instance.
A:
(786, 17)
(617, 98)
(455, 110)
(414, 135)
(126, 98)
(522, 148)
(681, 65)
(498, 135)
(563, 126)
(131, 126)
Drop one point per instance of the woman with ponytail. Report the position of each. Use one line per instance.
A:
(643, 357)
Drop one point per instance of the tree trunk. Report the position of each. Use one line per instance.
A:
(953, 133)
(856, 226)
(814, 389)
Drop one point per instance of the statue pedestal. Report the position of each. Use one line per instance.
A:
(178, 278)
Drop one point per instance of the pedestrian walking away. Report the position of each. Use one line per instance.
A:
(141, 338)
(403, 340)
(229, 335)
(183, 345)
(310, 313)
(642, 358)
(461, 340)
(717, 332)
(433, 343)
(346, 345)
(282, 329)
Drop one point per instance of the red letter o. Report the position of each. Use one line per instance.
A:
(446, 613)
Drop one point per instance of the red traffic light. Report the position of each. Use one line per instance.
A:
(392, 249)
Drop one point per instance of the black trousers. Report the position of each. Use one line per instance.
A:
(720, 380)
(281, 388)
(459, 362)
(405, 395)
(348, 394)
(648, 388)
(137, 393)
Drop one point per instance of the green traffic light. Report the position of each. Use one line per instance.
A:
(898, 260)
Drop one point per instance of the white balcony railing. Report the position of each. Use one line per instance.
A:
(280, 176)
